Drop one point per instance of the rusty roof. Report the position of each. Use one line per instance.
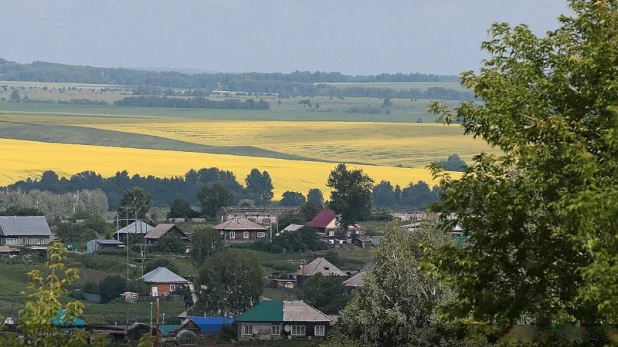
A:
(240, 224)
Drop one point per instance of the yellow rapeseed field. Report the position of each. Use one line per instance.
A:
(21, 159)
(385, 144)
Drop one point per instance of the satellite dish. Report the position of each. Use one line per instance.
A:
(287, 328)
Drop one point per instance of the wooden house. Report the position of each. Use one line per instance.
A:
(163, 281)
(24, 230)
(242, 230)
(163, 230)
(276, 319)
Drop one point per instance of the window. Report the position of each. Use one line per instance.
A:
(232, 235)
(298, 330)
(245, 234)
(261, 235)
(276, 330)
(172, 287)
(319, 330)
(247, 330)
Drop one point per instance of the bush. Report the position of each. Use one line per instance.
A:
(170, 244)
(111, 287)
(160, 262)
(91, 287)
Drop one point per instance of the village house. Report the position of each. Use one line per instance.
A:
(24, 230)
(276, 319)
(136, 228)
(326, 224)
(162, 230)
(162, 281)
(242, 230)
(318, 265)
(265, 216)
(356, 282)
(94, 246)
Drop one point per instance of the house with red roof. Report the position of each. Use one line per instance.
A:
(326, 224)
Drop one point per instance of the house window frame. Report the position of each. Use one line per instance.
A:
(275, 330)
(247, 330)
(245, 234)
(319, 330)
(261, 234)
(298, 330)
(172, 287)
(232, 235)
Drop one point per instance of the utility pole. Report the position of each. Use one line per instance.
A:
(158, 340)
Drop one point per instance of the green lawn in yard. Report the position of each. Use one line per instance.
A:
(121, 312)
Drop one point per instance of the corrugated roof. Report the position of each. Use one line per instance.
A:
(298, 311)
(162, 229)
(292, 227)
(139, 227)
(355, 281)
(24, 226)
(323, 218)
(265, 311)
(163, 275)
(240, 224)
(283, 311)
(109, 242)
(320, 265)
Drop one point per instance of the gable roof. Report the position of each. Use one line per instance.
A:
(162, 229)
(24, 226)
(61, 321)
(323, 219)
(292, 227)
(356, 280)
(320, 265)
(163, 275)
(283, 311)
(240, 224)
(265, 311)
(138, 227)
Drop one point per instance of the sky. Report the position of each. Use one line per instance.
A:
(349, 36)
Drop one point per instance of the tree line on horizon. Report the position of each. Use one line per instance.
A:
(167, 192)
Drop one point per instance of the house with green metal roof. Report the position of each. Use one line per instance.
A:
(277, 319)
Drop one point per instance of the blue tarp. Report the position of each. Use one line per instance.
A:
(210, 325)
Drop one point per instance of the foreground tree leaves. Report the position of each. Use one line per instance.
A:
(542, 216)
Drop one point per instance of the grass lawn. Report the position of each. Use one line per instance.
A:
(121, 312)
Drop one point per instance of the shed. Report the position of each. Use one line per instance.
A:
(94, 246)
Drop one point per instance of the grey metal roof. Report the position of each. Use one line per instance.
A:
(109, 242)
(320, 265)
(24, 226)
(240, 224)
(292, 227)
(162, 229)
(163, 275)
(139, 227)
(298, 311)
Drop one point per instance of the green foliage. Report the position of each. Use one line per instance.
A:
(111, 287)
(170, 244)
(181, 209)
(292, 199)
(260, 186)
(310, 210)
(326, 293)
(301, 240)
(396, 306)
(290, 217)
(72, 233)
(91, 287)
(15, 96)
(453, 163)
(44, 302)
(315, 197)
(134, 205)
(334, 258)
(350, 195)
(542, 216)
(230, 283)
(21, 211)
(206, 242)
(212, 198)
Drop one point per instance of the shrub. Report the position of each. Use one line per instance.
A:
(111, 287)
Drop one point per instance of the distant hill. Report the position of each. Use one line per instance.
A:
(297, 83)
